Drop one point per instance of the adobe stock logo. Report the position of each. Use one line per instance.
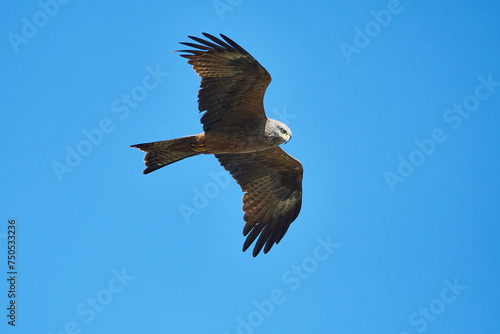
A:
(30, 27)
(202, 196)
(95, 304)
(363, 37)
(121, 107)
(427, 146)
(428, 314)
(282, 115)
(223, 6)
(293, 277)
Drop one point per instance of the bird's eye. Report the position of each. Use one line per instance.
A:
(283, 131)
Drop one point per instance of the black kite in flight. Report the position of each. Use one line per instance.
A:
(242, 138)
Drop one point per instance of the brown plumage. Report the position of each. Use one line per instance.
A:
(242, 138)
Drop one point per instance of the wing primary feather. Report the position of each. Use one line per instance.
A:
(194, 52)
(248, 227)
(217, 40)
(272, 240)
(234, 44)
(264, 239)
(194, 45)
(205, 42)
(252, 236)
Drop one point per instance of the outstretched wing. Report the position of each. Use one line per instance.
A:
(233, 83)
(272, 182)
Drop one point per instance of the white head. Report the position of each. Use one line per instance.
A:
(278, 131)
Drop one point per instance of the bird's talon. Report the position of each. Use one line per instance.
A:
(199, 148)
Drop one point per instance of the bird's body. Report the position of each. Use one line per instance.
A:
(252, 138)
(242, 138)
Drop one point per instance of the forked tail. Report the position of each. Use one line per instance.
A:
(162, 153)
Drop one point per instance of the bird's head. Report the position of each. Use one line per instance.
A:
(278, 131)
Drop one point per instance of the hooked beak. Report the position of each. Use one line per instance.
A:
(286, 137)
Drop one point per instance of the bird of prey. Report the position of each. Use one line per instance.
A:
(237, 131)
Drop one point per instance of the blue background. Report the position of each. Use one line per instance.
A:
(399, 227)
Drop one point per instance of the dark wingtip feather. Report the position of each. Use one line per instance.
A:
(140, 146)
(189, 51)
(205, 42)
(234, 44)
(196, 46)
(210, 36)
(247, 244)
(152, 168)
(217, 40)
(212, 44)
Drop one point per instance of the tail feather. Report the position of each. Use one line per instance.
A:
(162, 153)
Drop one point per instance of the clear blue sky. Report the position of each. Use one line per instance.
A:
(394, 108)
